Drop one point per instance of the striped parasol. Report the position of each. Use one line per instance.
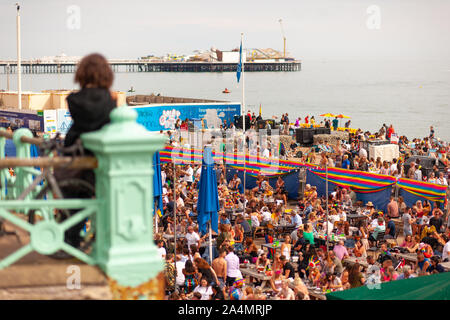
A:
(328, 115)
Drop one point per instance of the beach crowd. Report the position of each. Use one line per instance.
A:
(366, 246)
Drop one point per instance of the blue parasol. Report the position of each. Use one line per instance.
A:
(208, 197)
(157, 184)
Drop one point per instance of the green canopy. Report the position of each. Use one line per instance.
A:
(433, 287)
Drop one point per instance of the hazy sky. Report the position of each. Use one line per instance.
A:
(315, 29)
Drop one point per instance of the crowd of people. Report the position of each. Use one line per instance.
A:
(303, 261)
(321, 246)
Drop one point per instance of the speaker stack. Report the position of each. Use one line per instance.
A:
(238, 122)
(304, 136)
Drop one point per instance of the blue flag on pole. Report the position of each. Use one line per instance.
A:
(239, 67)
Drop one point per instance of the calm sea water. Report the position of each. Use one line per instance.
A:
(411, 95)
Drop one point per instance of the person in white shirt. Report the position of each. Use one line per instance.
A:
(446, 252)
(266, 216)
(374, 223)
(189, 175)
(204, 289)
(342, 215)
(334, 217)
(198, 173)
(296, 219)
(266, 153)
(418, 174)
(330, 227)
(192, 237)
(441, 180)
(362, 153)
(163, 177)
(161, 249)
(165, 193)
(233, 271)
(180, 202)
(180, 264)
(393, 166)
(255, 220)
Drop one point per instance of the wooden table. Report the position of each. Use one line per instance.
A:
(250, 271)
(352, 260)
(271, 245)
(409, 257)
(171, 236)
(312, 292)
(205, 243)
(280, 229)
(445, 265)
(354, 217)
(316, 295)
(330, 241)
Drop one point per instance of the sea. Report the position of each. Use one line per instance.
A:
(412, 95)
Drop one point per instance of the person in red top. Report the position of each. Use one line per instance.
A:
(249, 115)
(184, 125)
(306, 119)
(390, 131)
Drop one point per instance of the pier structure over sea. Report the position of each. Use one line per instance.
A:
(134, 66)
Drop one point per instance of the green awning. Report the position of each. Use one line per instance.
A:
(433, 287)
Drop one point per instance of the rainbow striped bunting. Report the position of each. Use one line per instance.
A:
(358, 180)
(429, 191)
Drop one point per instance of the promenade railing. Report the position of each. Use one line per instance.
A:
(120, 213)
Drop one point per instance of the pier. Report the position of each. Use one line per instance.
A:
(136, 66)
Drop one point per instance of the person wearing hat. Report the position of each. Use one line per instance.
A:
(381, 227)
(266, 216)
(313, 196)
(307, 191)
(369, 211)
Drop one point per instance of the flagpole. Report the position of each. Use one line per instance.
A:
(175, 216)
(156, 214)
(19, 68)
(210, 241)
(326, 192)
(243, 110)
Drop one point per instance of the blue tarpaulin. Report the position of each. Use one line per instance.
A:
(291, 181)
(411, 199)
(314, 180)
(10, 148)
(379, 199)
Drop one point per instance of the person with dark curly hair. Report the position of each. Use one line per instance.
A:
(89, 108)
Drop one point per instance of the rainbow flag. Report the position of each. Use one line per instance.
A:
(313, 262)
(429, 191)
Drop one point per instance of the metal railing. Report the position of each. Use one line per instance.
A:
(121, 212)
